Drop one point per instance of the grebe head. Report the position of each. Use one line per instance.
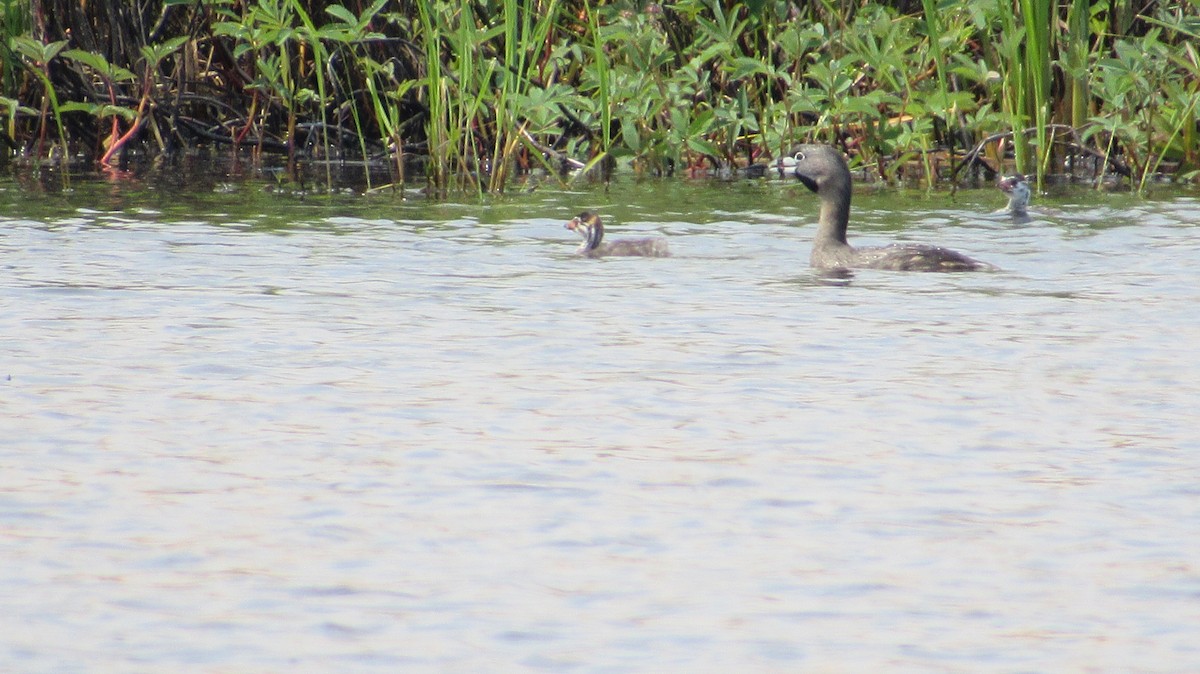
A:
(823, 170)
(1018, 192)
(820, 167)
(587, 224)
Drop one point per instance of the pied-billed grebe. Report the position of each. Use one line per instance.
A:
(823, 170)
(1018, 194)
(588, 225)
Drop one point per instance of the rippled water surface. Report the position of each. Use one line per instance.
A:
(245, 432)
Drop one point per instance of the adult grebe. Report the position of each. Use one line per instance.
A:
(588, 225)
(823, 170)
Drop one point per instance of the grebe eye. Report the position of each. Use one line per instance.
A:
(799, 156)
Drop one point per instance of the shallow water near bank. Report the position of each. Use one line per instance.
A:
(246, 429)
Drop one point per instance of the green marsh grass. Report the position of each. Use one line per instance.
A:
(489, 90)
(602, 77)
(1038, 17)
(435, 98)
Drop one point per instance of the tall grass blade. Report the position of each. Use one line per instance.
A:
(1037, 17)
(1076, 60)
(435, 97)
(603, 84)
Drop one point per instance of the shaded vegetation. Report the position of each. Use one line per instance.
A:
(472, 92)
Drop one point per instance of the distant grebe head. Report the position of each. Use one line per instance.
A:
(1018, 192)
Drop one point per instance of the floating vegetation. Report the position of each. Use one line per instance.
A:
(469, 94)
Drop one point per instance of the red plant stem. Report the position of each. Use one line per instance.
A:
(106, 160)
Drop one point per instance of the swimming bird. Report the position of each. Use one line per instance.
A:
(823, 170)
(589, 226)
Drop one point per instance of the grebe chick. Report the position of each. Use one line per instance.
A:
(823, 170)
(588, 225)
(1018, 194)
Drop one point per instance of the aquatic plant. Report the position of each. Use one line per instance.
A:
(14, 23)
(38, 57)
(112, 76)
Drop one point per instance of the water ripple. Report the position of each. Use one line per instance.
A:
(375, 437)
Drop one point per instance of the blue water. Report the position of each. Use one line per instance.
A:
(243, 430)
